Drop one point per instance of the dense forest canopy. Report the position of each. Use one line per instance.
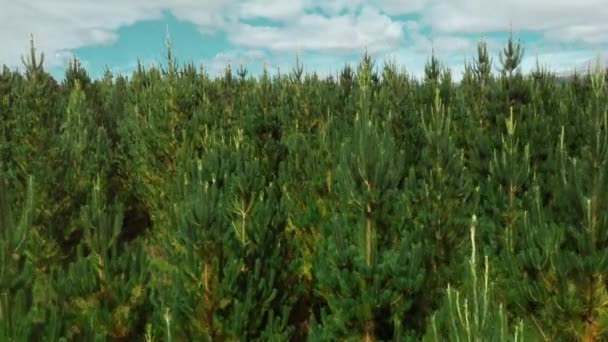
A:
(172, 206)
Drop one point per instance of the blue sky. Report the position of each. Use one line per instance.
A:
(562, 34)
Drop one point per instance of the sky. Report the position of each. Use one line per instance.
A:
(323, 35)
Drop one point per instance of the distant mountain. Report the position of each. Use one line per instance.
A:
(585, 67)
(581, 69)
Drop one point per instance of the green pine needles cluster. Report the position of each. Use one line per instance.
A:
(365, 206)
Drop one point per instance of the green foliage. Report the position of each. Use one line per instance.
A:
(432, 69)
(483, 64)
(471, 314)
(561, 260)
(173, 206)
(366, 242)
(16, 272)
(510, 57)
(442, 198)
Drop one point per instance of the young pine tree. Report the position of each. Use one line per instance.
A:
(444, 196)
(368, 269)
(21, 319)
(103, 293)
(559, 265)
(483, 65)
(472, 312)
(510, 177)
(514, 92)
(228, 272)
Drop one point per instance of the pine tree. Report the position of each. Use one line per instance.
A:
(480, 85)
(544, 114)
(347, 85)
(562, 261)
(510, 173)
(16, 321)
(510, 57)
(103, 291)
(76, 73)
(432, 69)
(396, 102)
(80, 153)
(364, 245)
(35, 114)
(234, 275)
(446, 86)
(472, 313)
(444, 197)
(10, 85)
(307, 189)
(483, 65)
(514, 90)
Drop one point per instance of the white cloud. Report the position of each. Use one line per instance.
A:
(390, 7)
(340, 34)
(272, 9)
(336, 7)
(398, 7)
(442, 45)
(584, 33)
(343, 27)
(475, 16)
(63, 25)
